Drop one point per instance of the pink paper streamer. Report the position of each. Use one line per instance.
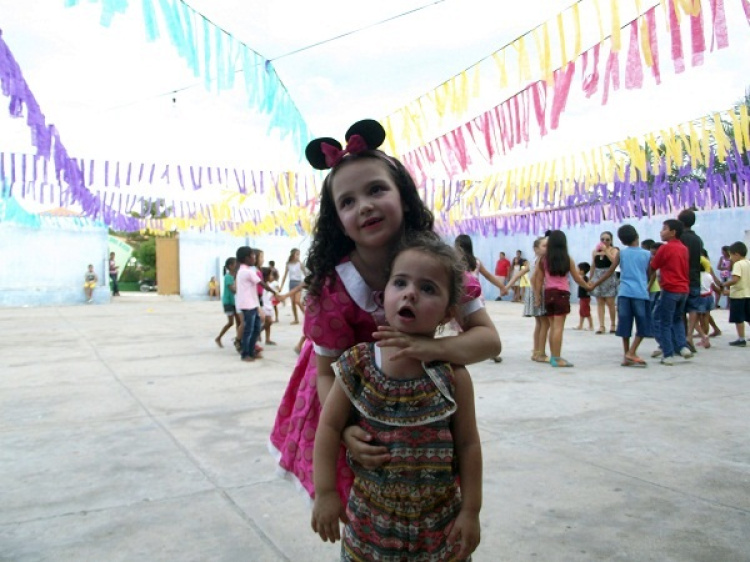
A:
(591, 82)
(634, 67)
(539, 96)
(674, 30)
(611, 74)
(654, 44)
(563, 80)
(720, 35)
(697, 38)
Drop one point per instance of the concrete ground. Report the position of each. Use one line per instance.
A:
(127, 434)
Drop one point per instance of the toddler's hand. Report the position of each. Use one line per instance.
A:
(466, 532)
(357, 442)
(327, 511)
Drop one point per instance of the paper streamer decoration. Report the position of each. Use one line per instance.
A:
(499, 130)
(212, 53)
(47, 141)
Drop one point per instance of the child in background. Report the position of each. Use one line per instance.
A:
(368, 203)
(276, 288)
(411, 507)
(584, 299)
(89, 284)
(531, 309)
(268, 274)
(474, 268)
(247, 302)
(739, 291)
(724, 267)
(552, 277)
(633, 299)
(671, 260)
(227, 301)
(213, 288)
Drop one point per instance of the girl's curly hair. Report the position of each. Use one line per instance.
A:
(330, 244)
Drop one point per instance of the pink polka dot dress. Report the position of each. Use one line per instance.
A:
(347, 312)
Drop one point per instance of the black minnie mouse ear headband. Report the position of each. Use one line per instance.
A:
(325, 152)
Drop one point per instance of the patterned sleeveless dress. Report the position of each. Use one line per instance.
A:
(402, 510)
(346, 313)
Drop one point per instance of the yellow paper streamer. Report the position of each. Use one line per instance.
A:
(599, 20)
(722, 142)
(561, 32)
(577, 30)
(499, 59)
(524, 68)
(616, 40)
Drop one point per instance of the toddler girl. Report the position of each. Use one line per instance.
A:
(411, 507)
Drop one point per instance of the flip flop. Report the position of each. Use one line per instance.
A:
(627, 362)
(560, 362)
(600, 331)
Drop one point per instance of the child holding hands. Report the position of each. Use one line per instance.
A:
(551, 277)
(412, 506)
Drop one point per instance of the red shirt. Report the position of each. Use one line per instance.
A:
(672, 261)
(502, 267)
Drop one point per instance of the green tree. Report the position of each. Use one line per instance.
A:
(146, 256)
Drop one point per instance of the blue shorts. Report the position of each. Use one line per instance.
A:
(694, 302)
(629, 309)
(704, 304)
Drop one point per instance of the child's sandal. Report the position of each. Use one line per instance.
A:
(559, 362)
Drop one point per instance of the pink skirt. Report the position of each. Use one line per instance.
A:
(293, 433)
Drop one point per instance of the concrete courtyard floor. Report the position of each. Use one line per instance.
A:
(127, 434)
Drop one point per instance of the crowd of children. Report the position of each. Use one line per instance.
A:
(664, 290)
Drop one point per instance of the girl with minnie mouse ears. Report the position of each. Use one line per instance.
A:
(368, 204)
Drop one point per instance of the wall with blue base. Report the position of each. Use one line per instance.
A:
(717, 228)
(46, 265)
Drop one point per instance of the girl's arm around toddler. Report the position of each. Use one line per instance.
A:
(478, 341)
(468, 450)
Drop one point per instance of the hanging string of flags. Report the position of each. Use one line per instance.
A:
(718, 135)
(536, 109)
(212, 53)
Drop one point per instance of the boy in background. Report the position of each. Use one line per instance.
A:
(633, 303)
(584, 299)
(671, 260)
(739, 291)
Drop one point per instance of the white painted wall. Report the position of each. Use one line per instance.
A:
(46, 265)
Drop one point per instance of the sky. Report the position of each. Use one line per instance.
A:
(108, 90)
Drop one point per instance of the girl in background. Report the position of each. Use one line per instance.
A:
(535, 310)
(473, 267)
(724, 267)
(551, 280)
(268, 300)
(606, 292)
(368, 203)
(296, 271)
